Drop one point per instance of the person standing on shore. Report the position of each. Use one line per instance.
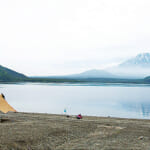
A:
(65, 111)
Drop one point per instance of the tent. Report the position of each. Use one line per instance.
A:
(4, 106)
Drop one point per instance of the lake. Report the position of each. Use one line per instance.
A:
(114, 100)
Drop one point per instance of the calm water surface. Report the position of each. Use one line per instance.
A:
(118, 100)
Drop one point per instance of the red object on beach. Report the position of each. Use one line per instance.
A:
(79, 116)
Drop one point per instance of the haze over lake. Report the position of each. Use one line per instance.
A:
(115, 100)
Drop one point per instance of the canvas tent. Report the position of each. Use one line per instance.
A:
(4, 106)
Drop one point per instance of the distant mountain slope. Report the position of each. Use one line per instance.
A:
(87, 74)
(10, 75)
(94, 74)
(147, 78)
(141, 60)
(136, 67)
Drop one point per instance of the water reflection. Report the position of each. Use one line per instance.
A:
(142, 108)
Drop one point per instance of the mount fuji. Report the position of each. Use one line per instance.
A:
(136, 67)
(141, 60)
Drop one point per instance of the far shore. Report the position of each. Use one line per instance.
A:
(57, 132)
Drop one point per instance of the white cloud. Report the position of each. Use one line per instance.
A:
(41, 37)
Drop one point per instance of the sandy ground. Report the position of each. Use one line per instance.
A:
(25, 131)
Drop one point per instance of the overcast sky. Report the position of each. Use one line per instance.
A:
(48, 37)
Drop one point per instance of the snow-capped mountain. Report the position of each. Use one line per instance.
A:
(141, 60)
(138, 66)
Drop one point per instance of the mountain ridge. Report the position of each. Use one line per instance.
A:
(124, 70)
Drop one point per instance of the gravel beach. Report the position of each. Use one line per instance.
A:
(29, 131)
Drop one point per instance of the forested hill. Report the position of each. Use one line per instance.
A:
(147, 79)
(8, 75)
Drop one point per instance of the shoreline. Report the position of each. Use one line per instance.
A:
(74, 115)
